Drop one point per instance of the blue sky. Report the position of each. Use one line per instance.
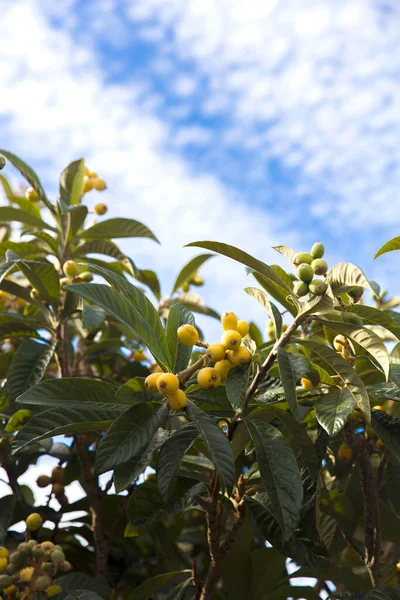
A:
(252, 123)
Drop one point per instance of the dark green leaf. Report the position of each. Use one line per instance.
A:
(53, 392)
(152, 585)
(289, 379)
(388, 430)
(190, 269)
(287, 252)
(171, 454)
(92, 315)
(9, 214)
(23, 249)
(134, 392)
(288, 301)
(100, 246)
(317, 305)
(374, 316)
(333, 410)
(7, 504)
(28, 367)
(179, 353)
(45, 237)
(43, 277)
(236, 386)
(118, 228)
(71, 182)
(83, 581)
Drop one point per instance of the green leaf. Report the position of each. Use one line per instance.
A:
(78, 418)
(279, 473)
(179, 354)
(344, 276)
(382, 594)
(75, 216)
(92, 315)
(346, 373)
(100, 246)
(28, 367)
(26, 205)
(30, 175)
(152, 585)
(366, 338)
(71, 182)
(317, 305)
(190, 269)
(387, 393)
(118, 228)
(374, 316)
(288, 301)
(6, 186)
(117, 305)
(388, 430)
(54, 392)
(134, 392)
(271, 309)
(43, 277)
(333, 410)
(15, 325)
(236, 386)
(7, 504)
(287, 252)
(393, 244)
(22, 248)
(171, 454)
(82, 581)
(289, 379)
(9, 213)
(46, 238)
(217, 444)
(127, 437)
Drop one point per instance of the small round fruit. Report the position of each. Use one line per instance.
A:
(223, 367)
(99, 184)
(229, 321)
(70, 268)
(48, 568)
(302, 258)
(57, 475)
(318, 287)
(34, 522)
(216, 352)
(242, 328)
(58, 489)
(339, 342)
(188, 335)
(65, 566)
(306, 384)
(100, 209)
(32, 195)
(375, 461)
(355, 293)
(231, 339)
(47, 546)
(92, 174)
(43, 481)
(5, 581)
(178, 400)
(37, 552)
(305, 273)
(378, 407)
(3, 552)
(185, 287)
(87, 184)
(318, 250)
(86, 170)
(65, 281)
(10, 590)
(139, 356)
(57, 556)
(3, 564)
(345, 453)
(24, 548)
(42, 583)
(349, 317)
(301, 289)
(208, 378)
(25, 575)
(320, 266)
(168, 383)
(240, 357)
(86, 276)
(53, 590)
(17, 558)
(150, 383)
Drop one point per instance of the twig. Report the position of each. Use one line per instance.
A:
(185, 375)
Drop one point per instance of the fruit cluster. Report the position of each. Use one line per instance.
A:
(308, 265)
(194, 280)
(56, 480)
(74, 274)
(92, 182)
(224, 354)
(31, 567)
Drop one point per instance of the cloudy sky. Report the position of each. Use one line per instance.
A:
(255, 123)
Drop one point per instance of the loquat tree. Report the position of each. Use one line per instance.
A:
(221, 470)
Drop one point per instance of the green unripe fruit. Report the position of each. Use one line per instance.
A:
(70, 268)
(318, 287)
(302, 258)
(5, 581)
(86, 276)
(34, 522)
(57, 556)
(349, 317)
(42, 583)
(356, 293)
(17, 558)
(64, 567)
(37, 552)
(301, 289)
(48, 568)
(318, 250)
(24, 548)
(305, 273)
(320, 266)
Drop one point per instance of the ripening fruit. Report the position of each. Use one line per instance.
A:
(305, 273)
(3, 552)
(355, 293)
(223, 367)
(53, 590)
(378, 407)
(318, 287)
(208, 378)
(86, 170)
(99, 184)
(65, 281)
(243, 328)
(239, 357)
(42, 583)
(306, 384)
(188, 335)
(349, 317)
(302, 258)
(25, 575)
(32, 195)
(138, 356)
(231, 339)
(320, 266)
(70, 268)
(43, 481)
(57, 475)
(87, 184)
(86, 276)
(178, 400)
(5, 581)
(229, 321)
(318, 250)
(57, 556)
(345, 453)
(64, 567)
(16, 557)
(339, 342)
(185, 287)
(24, 548)
(375, 461)
(150, 383)
(58, 489)
(47, 546)
(216, 351)
(380, 445)
(100, 209)
(3, 564)
(168, 383)
(10, 590)
(37, 552)
(197, 281)
(301, 289)
(34, 522)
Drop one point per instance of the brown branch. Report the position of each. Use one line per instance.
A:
(185, 375)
